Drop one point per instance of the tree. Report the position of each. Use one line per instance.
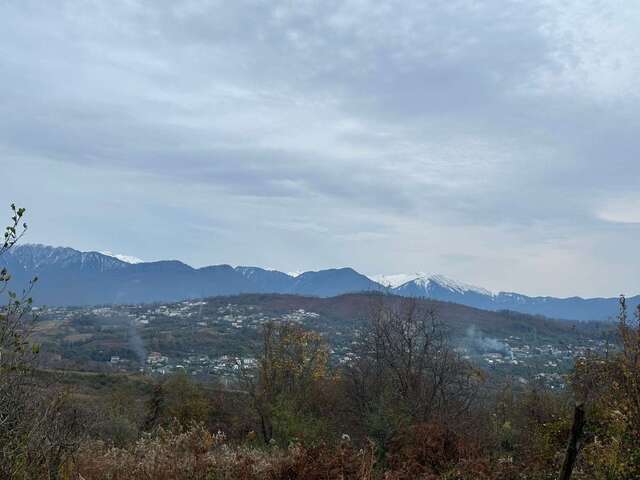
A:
(629, 330)
(39, 429)
(184, 400)
(292, 365)
(610, 388)
(13, 332)
(15, 356)
(406, 372)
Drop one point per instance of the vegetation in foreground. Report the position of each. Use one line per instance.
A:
(407, 407)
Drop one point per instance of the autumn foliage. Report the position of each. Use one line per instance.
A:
(406, 406)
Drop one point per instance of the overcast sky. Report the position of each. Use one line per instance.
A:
(496, 142)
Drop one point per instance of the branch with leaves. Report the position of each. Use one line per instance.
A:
(15, 230)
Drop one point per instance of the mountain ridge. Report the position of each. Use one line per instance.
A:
(71, 277)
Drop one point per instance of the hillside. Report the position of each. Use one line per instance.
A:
(201, 336)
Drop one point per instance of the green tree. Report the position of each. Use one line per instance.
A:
(285, 386)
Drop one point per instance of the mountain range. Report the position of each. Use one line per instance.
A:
(70, 277)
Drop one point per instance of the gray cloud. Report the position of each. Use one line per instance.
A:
(391, 136)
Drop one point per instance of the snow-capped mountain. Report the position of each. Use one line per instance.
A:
(41, 257)
(439, 287)
(429, 285)
(70, 277)
(456, 286)
(395, 280)
(123, 258)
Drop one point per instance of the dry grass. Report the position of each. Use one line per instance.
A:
(428, 452)
(195, 453)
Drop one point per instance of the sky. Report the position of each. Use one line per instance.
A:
(495, 142)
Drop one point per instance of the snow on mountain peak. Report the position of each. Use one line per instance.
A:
(457, 286)
(395, 280)
(123, 258)
(427, 282)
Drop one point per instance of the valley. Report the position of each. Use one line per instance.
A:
(209, 338)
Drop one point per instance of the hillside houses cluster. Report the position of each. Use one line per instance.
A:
(159, 339)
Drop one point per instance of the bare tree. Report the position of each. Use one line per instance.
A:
(406, 370)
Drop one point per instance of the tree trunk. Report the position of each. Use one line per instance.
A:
(574, 439)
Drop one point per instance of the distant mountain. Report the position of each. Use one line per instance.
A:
(124, 258)
(329, 283)
(70, 277)
(262, 280)
(44, 258)
(441, 288)
(438, 287)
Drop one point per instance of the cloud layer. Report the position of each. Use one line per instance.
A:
(495, 142)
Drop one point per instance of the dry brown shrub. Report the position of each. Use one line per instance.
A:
(174, 453)
(195, 453)
(431, 451)
(320, 463)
